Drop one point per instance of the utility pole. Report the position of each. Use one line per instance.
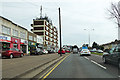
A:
(60, 33)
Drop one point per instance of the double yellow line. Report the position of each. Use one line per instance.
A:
(54, 68)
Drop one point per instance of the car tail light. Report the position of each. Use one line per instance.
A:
(81, 51)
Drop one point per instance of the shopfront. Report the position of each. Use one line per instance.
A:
(24, 45)
(32, 47)
(5, 42)
(15, 43)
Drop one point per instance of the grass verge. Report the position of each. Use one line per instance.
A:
(97, 53)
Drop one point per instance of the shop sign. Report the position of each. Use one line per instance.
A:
(5, 38)
(24, 42)
(15, 40)
(32, 43)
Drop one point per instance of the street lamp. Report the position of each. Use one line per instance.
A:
(89, 34)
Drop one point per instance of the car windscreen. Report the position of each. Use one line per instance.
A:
(5, 49)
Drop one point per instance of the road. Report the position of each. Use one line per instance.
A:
(75, 66)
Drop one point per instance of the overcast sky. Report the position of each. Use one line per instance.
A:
(76, 15)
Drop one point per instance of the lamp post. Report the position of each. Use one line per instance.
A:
(89, 35)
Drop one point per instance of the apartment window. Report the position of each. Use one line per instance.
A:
(38, 28)
(50, 39)
(46, 42)
(47, 23)
(50, 43)
(35, 39)
(51, 27)
(39, 33)
(46, 37)
(47, 33)
(54, 29)
(50, 35)
(54, 40)
(54, 33)
(15, 32)
(55, 37)
(47, 28)
(30, 37)
(38, 22)
(51, 31)
(22, 35)
(6, 30)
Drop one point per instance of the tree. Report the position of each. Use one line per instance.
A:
(115, 12)
(95, 45)
(101, 47)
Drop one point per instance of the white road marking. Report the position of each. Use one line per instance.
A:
(98, 64)
(87, 58)
(118, 76)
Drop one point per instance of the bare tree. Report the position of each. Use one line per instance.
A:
(115, 12)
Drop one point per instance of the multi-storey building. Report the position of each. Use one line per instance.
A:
(12, 35)
(44, 28)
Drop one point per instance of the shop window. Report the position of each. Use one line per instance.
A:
(6, 30)
(5, 46)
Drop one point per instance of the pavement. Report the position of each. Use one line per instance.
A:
(82, 68)
(17, 66)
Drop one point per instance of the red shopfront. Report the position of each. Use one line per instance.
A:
(15, 43)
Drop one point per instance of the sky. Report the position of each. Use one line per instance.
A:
(79, 18)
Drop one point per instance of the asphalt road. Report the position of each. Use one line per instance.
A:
(75, 66)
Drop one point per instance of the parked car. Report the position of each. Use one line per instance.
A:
(45, 51)
(63, 51)
(67, 51)
(112, 56)
(99, 51)
(93, 50)
(12, 52)
(39, 51)
(85, 52)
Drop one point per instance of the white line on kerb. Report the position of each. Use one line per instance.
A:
(87, 58)
(98, 64)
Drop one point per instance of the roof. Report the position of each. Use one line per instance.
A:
(113, 42)
(12, 22)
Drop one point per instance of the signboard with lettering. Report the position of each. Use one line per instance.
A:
(5, 38)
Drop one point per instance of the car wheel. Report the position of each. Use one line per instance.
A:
(21, 55)
(104, 60)
(11, 56)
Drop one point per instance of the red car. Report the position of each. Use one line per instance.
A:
(67, 51)
(12, 52)
(63, 52)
